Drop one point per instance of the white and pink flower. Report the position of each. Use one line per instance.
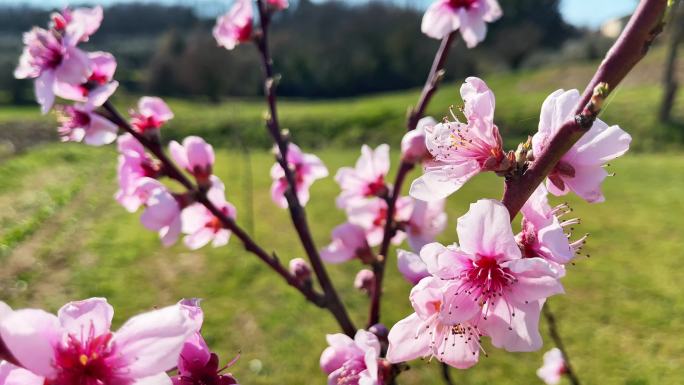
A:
(469, 16)
(426, 334)
(99, 86)
(366, 179)
(235, 27)
(162, 210)
(371, 215)
(51, 59)
(307, 168)
(462, 150)
(195, 156)
(413, 148)
(78, 347)
(79, 23)
(80, 123)
(201, 225)
(348, 242)
(152, 113)
(554, 367)
(543, 234)
(353, 361)
(488, 281)
(582, 168)
(134, 164)
(427, 221)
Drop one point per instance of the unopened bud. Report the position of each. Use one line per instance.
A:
(380, 331)
(300, 269)
(413, 148)
(365, 281)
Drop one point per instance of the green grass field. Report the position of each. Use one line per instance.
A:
(63, 237)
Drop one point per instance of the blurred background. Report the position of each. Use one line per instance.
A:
(349, 71)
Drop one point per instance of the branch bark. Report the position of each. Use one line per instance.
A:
(632, 45)
(297, 213)
(415, 114)
(555, 336)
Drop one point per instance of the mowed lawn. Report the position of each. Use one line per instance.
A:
(64, 237)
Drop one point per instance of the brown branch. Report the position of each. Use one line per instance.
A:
(631, 46)
(297, 213)
(555, 336)
(172, 171)
(416, 113)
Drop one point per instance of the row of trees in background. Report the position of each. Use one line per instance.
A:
(333, 49)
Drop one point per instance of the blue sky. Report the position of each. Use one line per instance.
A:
(585, 13)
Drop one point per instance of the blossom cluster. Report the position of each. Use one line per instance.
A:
(492, 283)
(77, 346)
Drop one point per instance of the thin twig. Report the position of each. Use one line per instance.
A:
(446, 374)
(415, 114)
(555, 336)
(172, 171)
(632, 45)
(297, 213)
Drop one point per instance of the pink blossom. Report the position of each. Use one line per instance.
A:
(489, 281)
(427, 220)
(543, 234)
(581, 169)
(426, 333)
(79, 24)
(461, 150)
(413, 149)
(307, 168)
(162, 210)
(51, 59)
(300, 269)
(411, 266)
(371, 215)
(80, 123)
(99, 85)
(367, 179)
(197, 365)
(201, 225)
(352, 362)
(235, 27)
(364, 280)
(348, 241)
(152, 113)
(278, 4)
(134, 164)
(554, 367)
(468, 16)
(78, 347)
(195, 155)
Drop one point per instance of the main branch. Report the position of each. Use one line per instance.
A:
(632, 45)
(297, 213)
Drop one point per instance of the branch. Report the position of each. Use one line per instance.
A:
(416, 113)
(173, 172)
(632, 45)
(297, 213)
(446, 375)
(555, 336)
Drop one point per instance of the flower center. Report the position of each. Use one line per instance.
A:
(486, 280)
(457, 4)
(143, 123)
(87, 361)
(376, 188)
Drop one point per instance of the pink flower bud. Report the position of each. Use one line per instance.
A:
(365, 280)
(235, 27)
(196, 156)
(413, 148)
(300, 269)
